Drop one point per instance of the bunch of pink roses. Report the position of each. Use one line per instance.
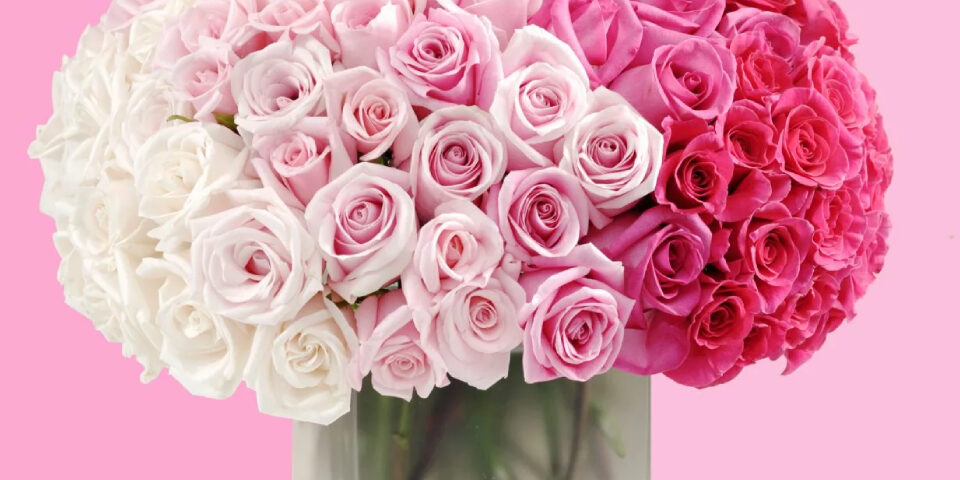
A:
(313, 192)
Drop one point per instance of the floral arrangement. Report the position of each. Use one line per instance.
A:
(304, 194)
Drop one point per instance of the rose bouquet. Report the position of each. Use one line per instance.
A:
(313, 195)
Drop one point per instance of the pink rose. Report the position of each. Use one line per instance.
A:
(772, 247)
(541, 212)
(760, 71)
(477, 329)
(363, 27)
(459, 246)
(458, 155)
(605, 34)
(574, 319)
(696, 179)
(545, 94)
(391, 350)
(812, 149)
(505, 15)
(668, 22)
(121, 13)
(366, 226)
(811, 315)
(843, 86)
(873, 252)
(372, 110)
(203, 79)
(749, 135)
(663, 252)
(290, 19)
(695, 78)
(718, 328)
(614, 153)
(301, 161)
(255, 263)
(447, 57)
(839, 226)
(780, 32)
(221, 20)
(280, 85)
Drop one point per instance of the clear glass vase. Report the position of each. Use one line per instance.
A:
(561, 430)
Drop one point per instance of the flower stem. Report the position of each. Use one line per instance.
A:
(581, 410)
(401, 442)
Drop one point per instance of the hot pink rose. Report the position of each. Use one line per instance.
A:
(718, 328)
(363, 27)
(541, 212)
(873, 252)
(760, 71)
(605, 34)
(366, 225)
(769, 5)
(772, 247)
(780, 32)
(749, 135)
(391, 350)
(822, 19)
(843, 86)
(839, 226)
(301, 161)
(203, 79)
(447, 57)
(696, 178)
(459, 246)
(614, 153)
(458, 155)
(477, 329)
(663, 253)
(574, 319)
(695, 78)
(373, 111)
(812, 148)
(545, 94)
(505, 15)
(811, 315)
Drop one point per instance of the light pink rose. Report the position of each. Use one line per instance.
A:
(255, 263)
(459, 246)
(363, 27)
(614, 153)
(506, 16)
(695, 78)
(771, 248)
(366, 226)
(477, 329)
(717, 330)
(605, 34)
(545, 94)
(301, 161)
(203, 79)
(290, 19)
(575, 316)
(221, 20)
(372, 110)
(541, 212)
(391, 350)
(459, 154)
(813, 141)
(122, 12)
(447, 57)
(280, 85)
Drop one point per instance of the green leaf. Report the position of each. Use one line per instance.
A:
(227, 120)
(610, 430)
(180, 118)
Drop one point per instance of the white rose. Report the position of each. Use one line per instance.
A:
(205, 352)
(152, 103)
(615, 154)
(299, 369)
(105, 219)
(255, 263)
(280, 85)
(181, 170)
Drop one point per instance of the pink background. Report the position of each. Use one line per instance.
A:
(879, 402)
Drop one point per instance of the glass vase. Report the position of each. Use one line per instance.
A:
(561, 430)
